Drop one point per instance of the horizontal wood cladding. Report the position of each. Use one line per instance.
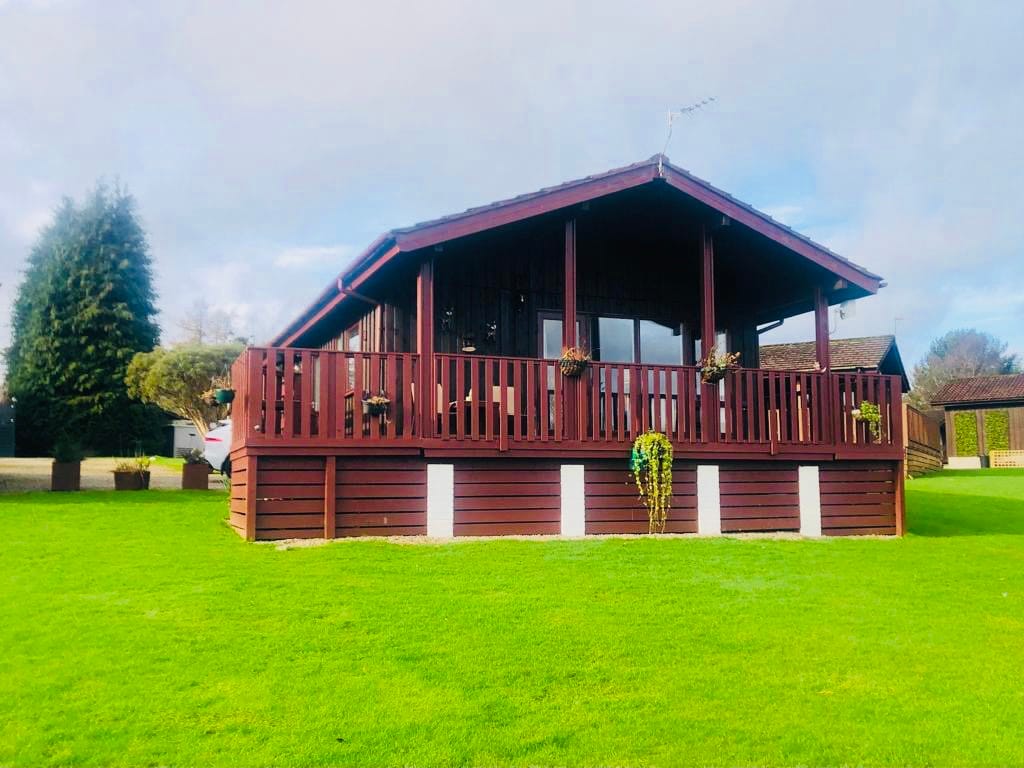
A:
(501, 497)
(613, 506)
(373, 497)
(858, 498)
(922, 459)
(236, 495)
(759, 496)
(289, 497)
(381, 496)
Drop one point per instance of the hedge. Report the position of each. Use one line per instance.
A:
(997, 430)
(965, 425)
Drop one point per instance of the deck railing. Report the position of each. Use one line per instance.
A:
(301, 396)
(316, 396)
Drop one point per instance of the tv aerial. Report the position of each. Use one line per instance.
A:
(673, 115)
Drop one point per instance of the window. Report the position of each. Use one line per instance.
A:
(660, 344)
(551, 335)
(351, 340)
(616, 341)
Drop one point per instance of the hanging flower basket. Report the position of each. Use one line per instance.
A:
(714, 366)
(868, 413)
(223, 396)
(574, 361)
(377, 405)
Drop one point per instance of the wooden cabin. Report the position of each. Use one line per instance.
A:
(458, 323)
(984, 421)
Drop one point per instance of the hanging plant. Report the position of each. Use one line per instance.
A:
(868, 413)
(650, 466)
(376, 405)
(714, 366)
(574, 361)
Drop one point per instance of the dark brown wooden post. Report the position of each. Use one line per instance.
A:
(425, 346)
(709, 392)
(569, 336)
(330, 496)
(823, 355)
(821, 348)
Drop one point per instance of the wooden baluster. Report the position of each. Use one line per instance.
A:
(460, 398)
(620, 397)
(502, 405)
(391, 377)
(532, 426)
(559, 405)
(305, 421)
(542, 391)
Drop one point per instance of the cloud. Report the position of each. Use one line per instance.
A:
(299, 257)
(251, 132)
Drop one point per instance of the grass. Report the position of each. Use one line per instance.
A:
(138, 630)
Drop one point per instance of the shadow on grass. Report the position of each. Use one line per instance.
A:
(951, 514)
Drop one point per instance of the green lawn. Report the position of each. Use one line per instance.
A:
(139, 630)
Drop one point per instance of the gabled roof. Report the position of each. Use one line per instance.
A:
(865, 353)
(982, 389)
(656, 169)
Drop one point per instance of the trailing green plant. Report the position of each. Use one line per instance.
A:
(650, 466)
(868, 413)
(965, 425)
(997, 430)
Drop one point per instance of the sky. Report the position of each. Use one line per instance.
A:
(268, 143)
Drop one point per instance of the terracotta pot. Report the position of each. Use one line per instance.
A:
(66, 476)
(131, 481)
(195, 477)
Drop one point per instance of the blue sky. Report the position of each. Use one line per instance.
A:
(267, 143)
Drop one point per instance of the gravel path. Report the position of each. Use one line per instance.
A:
(97, 474)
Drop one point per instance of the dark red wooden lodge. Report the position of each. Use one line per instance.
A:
(459, 323)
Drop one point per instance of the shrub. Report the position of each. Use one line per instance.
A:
(997, 430)
(965, 425)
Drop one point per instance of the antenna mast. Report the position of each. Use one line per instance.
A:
(681, 112)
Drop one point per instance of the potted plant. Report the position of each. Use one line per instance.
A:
(195, 472)
(868, 413)
(132, 474)
(66, 470)
(376, 405)
(714, 366)
(574, 361)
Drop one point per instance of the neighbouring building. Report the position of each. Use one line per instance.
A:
(984, 420)
(421, 392)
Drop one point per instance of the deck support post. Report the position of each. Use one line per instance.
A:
(330, 496)
(709, 500)
(709, 392)
(810, 500)
(569, 336)
(425, 346)
(574, 513)
(441, 500)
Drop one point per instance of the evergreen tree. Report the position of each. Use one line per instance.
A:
(85, 307)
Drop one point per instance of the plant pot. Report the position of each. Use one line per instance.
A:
(131, 481)
(712, 377)
(195, 477)
(66, 476)
(224, 396)
(375, 409)
(572, 368)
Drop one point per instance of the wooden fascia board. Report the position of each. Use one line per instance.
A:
(517, 210)
(772, 231)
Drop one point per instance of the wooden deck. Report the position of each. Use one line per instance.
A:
(310, 400)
